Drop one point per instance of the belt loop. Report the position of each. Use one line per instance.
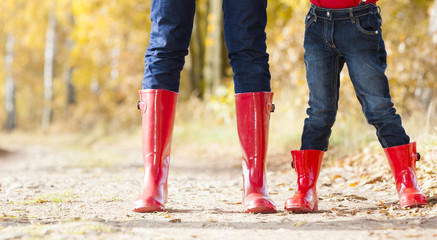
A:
(313, 11)
(351, 15)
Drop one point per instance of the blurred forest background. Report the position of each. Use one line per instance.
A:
(76, 65)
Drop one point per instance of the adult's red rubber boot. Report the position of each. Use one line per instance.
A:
(158, 112)
(253, 117)
(307, 164)
(402, 160)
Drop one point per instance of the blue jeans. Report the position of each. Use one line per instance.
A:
(244, 29)
(334, 37)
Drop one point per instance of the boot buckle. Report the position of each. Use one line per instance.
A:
(272, 107)
(418, 157)
(292, 164)
(138, 105)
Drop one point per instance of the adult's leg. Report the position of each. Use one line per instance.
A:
(244, 27)
(172, 23)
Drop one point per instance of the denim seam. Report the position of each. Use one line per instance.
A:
(370, 33)
(337, 59)
(325, 35)
(384, 142)
(326, 31)
(379, 28)
(311, 19)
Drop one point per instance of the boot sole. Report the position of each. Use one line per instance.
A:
(299, 210)
(260, 209)
(142, 206)
(148, 209)
(413, 205)
(412, 200)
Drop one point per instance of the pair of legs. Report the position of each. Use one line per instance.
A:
(334, 37)
(244, 28)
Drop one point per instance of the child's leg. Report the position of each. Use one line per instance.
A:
(323, 66)
(366, 60)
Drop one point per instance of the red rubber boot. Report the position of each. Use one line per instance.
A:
(158, 113)
(307, 164)
(402, 160)
(253, 117)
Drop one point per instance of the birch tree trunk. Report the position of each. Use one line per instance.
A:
(213, 71)
(9, 84)
(433, 23)
(48, 69)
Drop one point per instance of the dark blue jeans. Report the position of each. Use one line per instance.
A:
(334, 37)
(244, 28)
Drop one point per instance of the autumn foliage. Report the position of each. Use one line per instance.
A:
(99, 48)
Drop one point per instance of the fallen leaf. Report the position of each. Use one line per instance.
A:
(335, 209)
(413, 235)
(375, 180)
(336, 176)
(353, 184)
(353, 196)
(176, 220)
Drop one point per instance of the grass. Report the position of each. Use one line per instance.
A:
(64, 197)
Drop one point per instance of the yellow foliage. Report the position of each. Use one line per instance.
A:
(103, 44)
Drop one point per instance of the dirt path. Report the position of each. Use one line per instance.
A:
(57, 192)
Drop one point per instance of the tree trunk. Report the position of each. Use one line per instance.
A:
(213, 49)
(9, 83)
(68, 72)
(196, 51)
(433, 23)
(68, 76)
(49, 69)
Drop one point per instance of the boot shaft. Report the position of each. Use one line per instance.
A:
(158, 109)
(401, 158)
(253, 117)
(307, 164)
(158, 112)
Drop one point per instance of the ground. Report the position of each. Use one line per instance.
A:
(54, 189)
